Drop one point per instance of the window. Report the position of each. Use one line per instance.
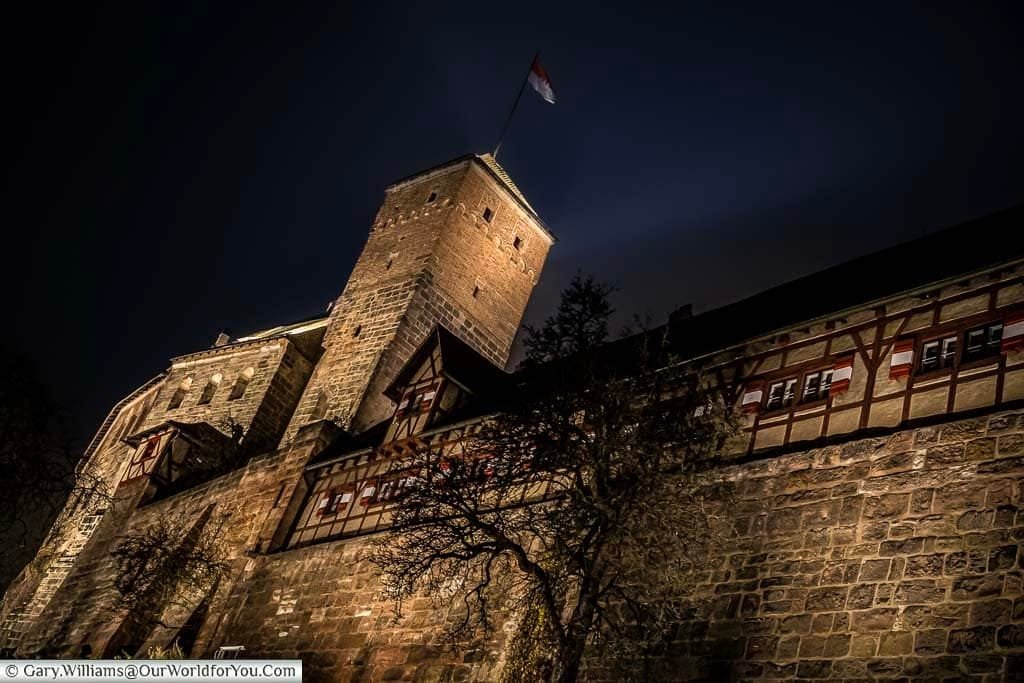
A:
(210, 389)
(432, 198)
(816, 385)
(938, 353)
(517, 243)
(488, 214)
(983, 341)
(331, 502)
(176, 398)
(780, 394)
(320, 409)
(476, 291)
(358, 331)
(179, 394)
(241, 383)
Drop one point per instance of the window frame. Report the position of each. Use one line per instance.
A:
(989, 351)
(799, 377)
(940, 340)
(803, 400)
(959, 331)
(787, 382)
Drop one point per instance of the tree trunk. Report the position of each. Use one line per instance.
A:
(571, 661)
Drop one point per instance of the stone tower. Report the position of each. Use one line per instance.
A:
(456, 245)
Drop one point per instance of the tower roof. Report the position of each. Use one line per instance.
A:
(496, 171)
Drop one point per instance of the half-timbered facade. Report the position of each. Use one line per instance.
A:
(951, 348)
(440, 396)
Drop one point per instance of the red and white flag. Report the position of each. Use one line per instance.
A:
(540, 82)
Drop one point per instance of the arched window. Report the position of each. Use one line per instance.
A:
(210, 389)
(179, 394)
(241, 383)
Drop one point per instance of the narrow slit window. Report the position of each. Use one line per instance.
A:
(241, 384)
(176, 399)
(209, 390)
(320, 409)
(358, 331)
(488, 214)
(179, 394)
(432, 197)
(517, 243)
(476, 292)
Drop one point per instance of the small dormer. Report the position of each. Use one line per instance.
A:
(436, 384)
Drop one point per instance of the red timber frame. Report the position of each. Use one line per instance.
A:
(889, 330)
(353, 496)
(363, 513)
(146, 456)
(426, 400)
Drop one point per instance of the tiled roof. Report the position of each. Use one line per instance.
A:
(504, 177)
(298, 326)
(922, 263)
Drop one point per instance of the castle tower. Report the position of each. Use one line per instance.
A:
(456, 245)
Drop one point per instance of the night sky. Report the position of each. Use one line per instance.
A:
(175, 169)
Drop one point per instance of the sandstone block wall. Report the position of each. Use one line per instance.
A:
(887, 558)
(249, 501)
(431, 257)
(884, 558)
(279, 375)
(321, 604)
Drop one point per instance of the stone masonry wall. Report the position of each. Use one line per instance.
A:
(884, 558)
(477, 283)
(431, 258)
(280, 373)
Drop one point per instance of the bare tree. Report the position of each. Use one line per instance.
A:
(578, 507)
(168, 568)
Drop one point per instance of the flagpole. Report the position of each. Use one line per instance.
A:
(515, 104)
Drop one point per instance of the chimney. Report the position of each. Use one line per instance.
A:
(222, 339)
